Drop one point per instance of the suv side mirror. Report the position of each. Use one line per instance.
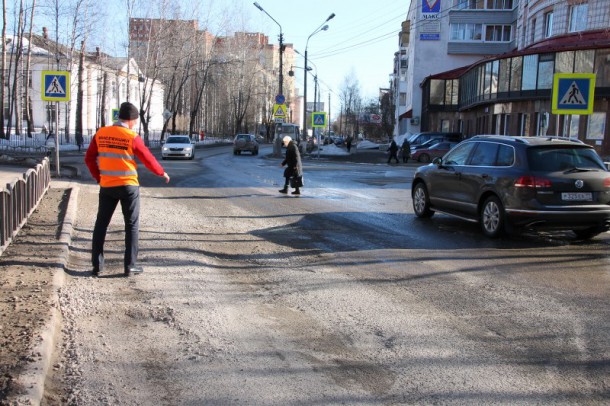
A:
(438, 161)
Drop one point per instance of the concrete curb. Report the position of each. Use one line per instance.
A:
(34, 375)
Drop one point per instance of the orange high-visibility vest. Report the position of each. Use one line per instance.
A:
(116, 159)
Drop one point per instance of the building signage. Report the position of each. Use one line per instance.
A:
(431, 20)
(573, 93)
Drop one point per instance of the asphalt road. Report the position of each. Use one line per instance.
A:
(339, 296)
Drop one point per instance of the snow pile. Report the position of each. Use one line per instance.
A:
(331, 150)
(367, 145)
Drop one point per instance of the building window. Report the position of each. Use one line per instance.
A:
(548, 24)
(578, 17)
(469, 4)
(500, 4)
(533, 31)
(498, 33)
(402, 99)
(466, 32)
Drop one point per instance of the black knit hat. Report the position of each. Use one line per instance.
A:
(128, 111)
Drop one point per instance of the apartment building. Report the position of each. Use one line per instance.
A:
(440, 36)
(511, 93)
(215, 62)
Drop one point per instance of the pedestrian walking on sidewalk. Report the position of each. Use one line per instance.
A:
(392, 152)
(405, 149)
(111, 161)
(294, 168)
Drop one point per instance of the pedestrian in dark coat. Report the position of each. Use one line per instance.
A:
(393, 149)
(293, 165)
(406, 150)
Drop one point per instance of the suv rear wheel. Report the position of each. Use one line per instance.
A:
(421, 202)
(492, 217)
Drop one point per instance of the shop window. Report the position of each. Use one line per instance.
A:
(572, 124)
(546, 66)
(530, 69)
(596, 127)
(504, 75)
(564, 62)
(583, 61)
(578, 17)
(524, 124)
(516, 74)
(437, 92)
(602, 67)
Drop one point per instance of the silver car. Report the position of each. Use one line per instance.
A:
(178, 146)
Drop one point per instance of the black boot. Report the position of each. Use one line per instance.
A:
(285, 190)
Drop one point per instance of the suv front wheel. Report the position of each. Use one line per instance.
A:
(492, 217)
(421, 202)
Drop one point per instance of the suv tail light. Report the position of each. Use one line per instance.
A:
(607, 182)
(532, 182)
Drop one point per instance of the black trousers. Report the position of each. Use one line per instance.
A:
(109, 198)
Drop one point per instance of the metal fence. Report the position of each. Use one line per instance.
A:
(19, 198)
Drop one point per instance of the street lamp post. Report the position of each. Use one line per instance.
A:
(281, 38)
(322, 27)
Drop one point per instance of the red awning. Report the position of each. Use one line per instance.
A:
(406, 114)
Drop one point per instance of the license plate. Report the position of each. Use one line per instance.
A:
(577, 197)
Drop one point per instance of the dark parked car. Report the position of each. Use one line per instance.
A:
(508, 183)
(245, 142)
(429, 152)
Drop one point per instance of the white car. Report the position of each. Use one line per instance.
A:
(178, 146)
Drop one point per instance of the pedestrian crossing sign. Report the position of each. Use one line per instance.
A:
(573, 93)
(115, 115)
(318, 119)
(55, 86)
(279, 110)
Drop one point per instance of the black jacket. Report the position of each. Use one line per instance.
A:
(292, 161)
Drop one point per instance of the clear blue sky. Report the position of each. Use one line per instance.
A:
(362, 37)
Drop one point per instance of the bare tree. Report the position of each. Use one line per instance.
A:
(351, 102)
(27, 98)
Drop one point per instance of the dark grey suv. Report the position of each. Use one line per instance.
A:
(507, 183)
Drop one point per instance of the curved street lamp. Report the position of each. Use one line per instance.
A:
(322, 27)
(281, 38)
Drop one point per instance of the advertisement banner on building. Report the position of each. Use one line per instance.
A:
(431, 20)
(368, 118)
